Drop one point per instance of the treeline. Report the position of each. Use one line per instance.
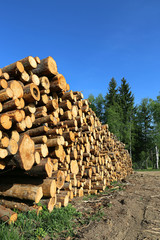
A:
(138, 126)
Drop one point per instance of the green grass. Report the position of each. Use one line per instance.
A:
(57, 224)
(146, 170)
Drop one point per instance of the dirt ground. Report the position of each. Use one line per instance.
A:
(129, 214)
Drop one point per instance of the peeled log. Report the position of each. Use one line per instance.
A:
(47, 67)
(22, 191)
(25, 155)
(7, 215)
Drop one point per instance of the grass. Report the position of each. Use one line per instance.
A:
(146, 170)
(57, 224)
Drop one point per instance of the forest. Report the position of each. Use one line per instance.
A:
(138, 126)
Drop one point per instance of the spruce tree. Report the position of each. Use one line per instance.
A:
(126, 102)
(145, 134)
(112, 110)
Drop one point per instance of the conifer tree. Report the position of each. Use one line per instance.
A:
(126, 102)
(112, 110)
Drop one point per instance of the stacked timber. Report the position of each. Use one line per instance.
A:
(52, 145)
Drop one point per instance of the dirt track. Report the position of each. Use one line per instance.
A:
(133, 213)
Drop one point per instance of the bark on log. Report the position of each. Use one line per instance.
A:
(31, 93)
(14, 68)
(47, 67)
(22, 191)
(6, 94)
(29, 63)
(7, 215)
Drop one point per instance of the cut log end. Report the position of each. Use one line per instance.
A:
(26, 152)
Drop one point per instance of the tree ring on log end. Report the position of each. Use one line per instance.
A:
(35, 92)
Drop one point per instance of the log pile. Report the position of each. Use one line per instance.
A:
(52, 145)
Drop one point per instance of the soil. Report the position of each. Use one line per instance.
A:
(130, 212)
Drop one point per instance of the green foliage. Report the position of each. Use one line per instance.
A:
(136, 126)
(97, 105)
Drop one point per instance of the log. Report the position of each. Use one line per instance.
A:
(5, 122)
(6, 94)
(25, 156)
(2, 164)
(22, 191)
(50, 203)
(66, 116)
(16, 88)
(24, 77)
(20, 206)
(3, 84)
(37, 131)
(74, 167)
(15, 115)
(5, 76)
(44, 168)
(29, 63)
(58, 83)
(31, 93)
(7, 215)
(49, 187)
(37, 60)
(53, 142)
(44, 83)
(65, 105)
(39, 139)
(33, 78)
(59, 176)
(4, 142)
(42, 149)
(58, 153)
(1, 107)
(47, 67)
(14, 68)
(63, 199)
(52, 104)
(12, 147)
(69, 136)
(11, 105)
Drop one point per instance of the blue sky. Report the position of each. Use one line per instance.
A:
(91, 41)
